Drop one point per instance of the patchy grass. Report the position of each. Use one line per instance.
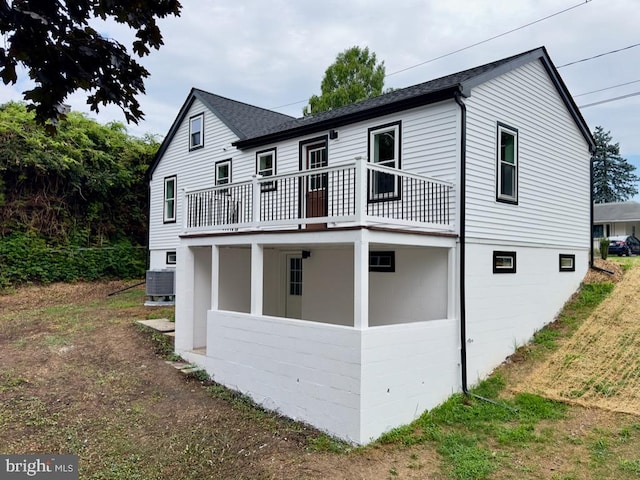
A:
(80, 377)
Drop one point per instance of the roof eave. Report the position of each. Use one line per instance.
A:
(170, 134)
(350, 118)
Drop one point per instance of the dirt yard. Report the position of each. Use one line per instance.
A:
(78, 376)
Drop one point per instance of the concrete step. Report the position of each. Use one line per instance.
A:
(163, 325)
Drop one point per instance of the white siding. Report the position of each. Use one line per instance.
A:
(429, 147)
(553, 179)
(193, 169)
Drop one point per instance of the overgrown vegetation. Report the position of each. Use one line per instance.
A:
(73, 205)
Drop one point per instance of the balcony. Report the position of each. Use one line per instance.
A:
(357, 193)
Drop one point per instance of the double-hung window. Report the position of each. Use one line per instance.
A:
(266, 167)
(223, 172)
(384, 151)
(507, 175)
(169, 209)
(196, 131)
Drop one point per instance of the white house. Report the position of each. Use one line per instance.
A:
(354, 268)
(619, 218)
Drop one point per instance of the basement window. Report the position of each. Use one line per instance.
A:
(504, 262)
(382, 261)
(567, 262)
(171, 258)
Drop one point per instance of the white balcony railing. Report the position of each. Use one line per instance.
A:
(355, 193)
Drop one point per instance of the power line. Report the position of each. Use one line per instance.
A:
(599, 55)
(489, 39)
(610, 100)
(606, 88)
(465, 48)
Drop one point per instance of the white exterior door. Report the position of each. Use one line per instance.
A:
(293, 285)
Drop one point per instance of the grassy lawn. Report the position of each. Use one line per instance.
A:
(80, 377)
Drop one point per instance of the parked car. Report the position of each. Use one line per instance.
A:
(624, 245)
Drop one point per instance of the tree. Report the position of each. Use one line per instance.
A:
(87, 180)
(614, 179)
(354, 76)
(62, 53)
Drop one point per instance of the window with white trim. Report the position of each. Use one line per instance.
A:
(384, 151)
(196, 131)
(507, 175)
(567, 262)
(504, 262)
(223, 172)
(169, 208)
(266, 167)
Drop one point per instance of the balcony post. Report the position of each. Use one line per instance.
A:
(361, 190)
(255, 206)
(183, 208)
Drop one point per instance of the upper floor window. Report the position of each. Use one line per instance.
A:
(169, 210)
(384, 150)
(266, 167)
(507, 181)
(223, 172)
(196, 131)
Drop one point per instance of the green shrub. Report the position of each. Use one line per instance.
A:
(604, 248)
(27, 257)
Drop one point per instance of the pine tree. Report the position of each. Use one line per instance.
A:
(614, 179)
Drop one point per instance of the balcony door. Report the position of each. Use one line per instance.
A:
(316, 188)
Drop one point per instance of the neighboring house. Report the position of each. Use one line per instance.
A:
(354, 268)
(620, 218)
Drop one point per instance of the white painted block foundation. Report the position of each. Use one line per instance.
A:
(354, 384)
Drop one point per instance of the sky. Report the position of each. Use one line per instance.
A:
(273, 53)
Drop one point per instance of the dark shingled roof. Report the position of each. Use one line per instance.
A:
(616, 212)
(244, 120)
(255, 126)
(417, 95)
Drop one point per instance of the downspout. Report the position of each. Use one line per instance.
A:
(462, 249)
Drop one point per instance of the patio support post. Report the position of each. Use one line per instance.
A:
(185, 210)
(361, 190)
(255, 205)
(361, 281)
(215, 276)
(257, 268)
(185, 299)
